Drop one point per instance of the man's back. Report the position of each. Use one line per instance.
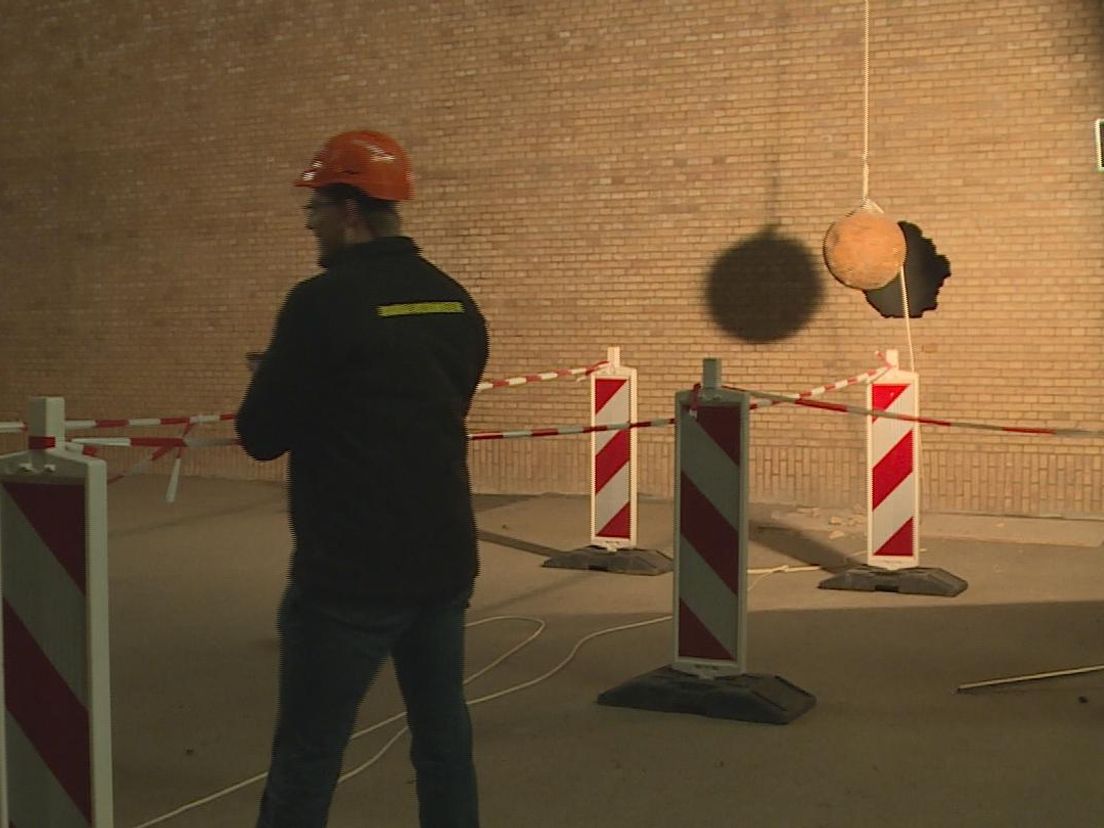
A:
(374, 362)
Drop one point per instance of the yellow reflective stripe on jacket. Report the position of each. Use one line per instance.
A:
(419, 308)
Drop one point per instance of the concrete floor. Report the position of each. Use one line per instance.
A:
(194, 655)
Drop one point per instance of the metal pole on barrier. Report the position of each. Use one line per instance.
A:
(55, 734)
(893, 495)
(613, 495)
(707, 675)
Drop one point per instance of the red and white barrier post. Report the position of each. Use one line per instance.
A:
(613, 456)
(613, 498)
(707, 675)
(711, 530)
(893, 494)
(55, 735)
(892, 469)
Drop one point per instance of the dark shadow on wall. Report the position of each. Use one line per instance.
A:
(925, 272)
(765, 288)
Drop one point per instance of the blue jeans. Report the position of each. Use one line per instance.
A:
(329, 653)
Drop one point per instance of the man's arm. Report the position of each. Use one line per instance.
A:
(272, 413)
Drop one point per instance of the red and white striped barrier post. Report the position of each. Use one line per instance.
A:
(55, 735)
(711, 529)
(892, 469)
(613, 500)
(613, 456)
(893, 494)
(707, 675)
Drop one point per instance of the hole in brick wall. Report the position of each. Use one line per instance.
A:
(925, 272)
(765, 288)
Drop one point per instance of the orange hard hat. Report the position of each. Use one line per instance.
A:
(372, 162)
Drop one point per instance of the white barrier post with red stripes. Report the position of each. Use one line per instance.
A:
(707, 675)
(892, 469)
(613, 456)
(55, 735)
(711, 530)
(613, 497)
(893, 494)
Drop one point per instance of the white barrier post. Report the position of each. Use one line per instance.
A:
(613, 456)
(893, 495)
(711, 533)
(55, 735)
(708, 675)
(892, 469)
(613, 497)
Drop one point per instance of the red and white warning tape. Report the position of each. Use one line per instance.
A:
(875, 412)
(158, 453)
(90, 445)
(167, 443)
(78, 425)
(81, 425)
(546, 375)
(89, 451)
(87, 444)
(866, 376)
(554, 431)
(93, 450)
(14, 426)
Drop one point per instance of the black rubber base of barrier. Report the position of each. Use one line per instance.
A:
(915, 580)
(750, 697)
(620, 561)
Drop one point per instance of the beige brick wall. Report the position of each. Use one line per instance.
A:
(580, 167)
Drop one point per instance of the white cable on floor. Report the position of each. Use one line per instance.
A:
(516, 688)
(763, 573)
(541, 625)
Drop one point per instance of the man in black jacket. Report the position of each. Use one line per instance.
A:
(367, 382)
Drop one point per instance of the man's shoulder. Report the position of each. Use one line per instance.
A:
(299, 296)
(308, 285)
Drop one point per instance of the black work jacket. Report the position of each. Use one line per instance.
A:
(367, 382)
